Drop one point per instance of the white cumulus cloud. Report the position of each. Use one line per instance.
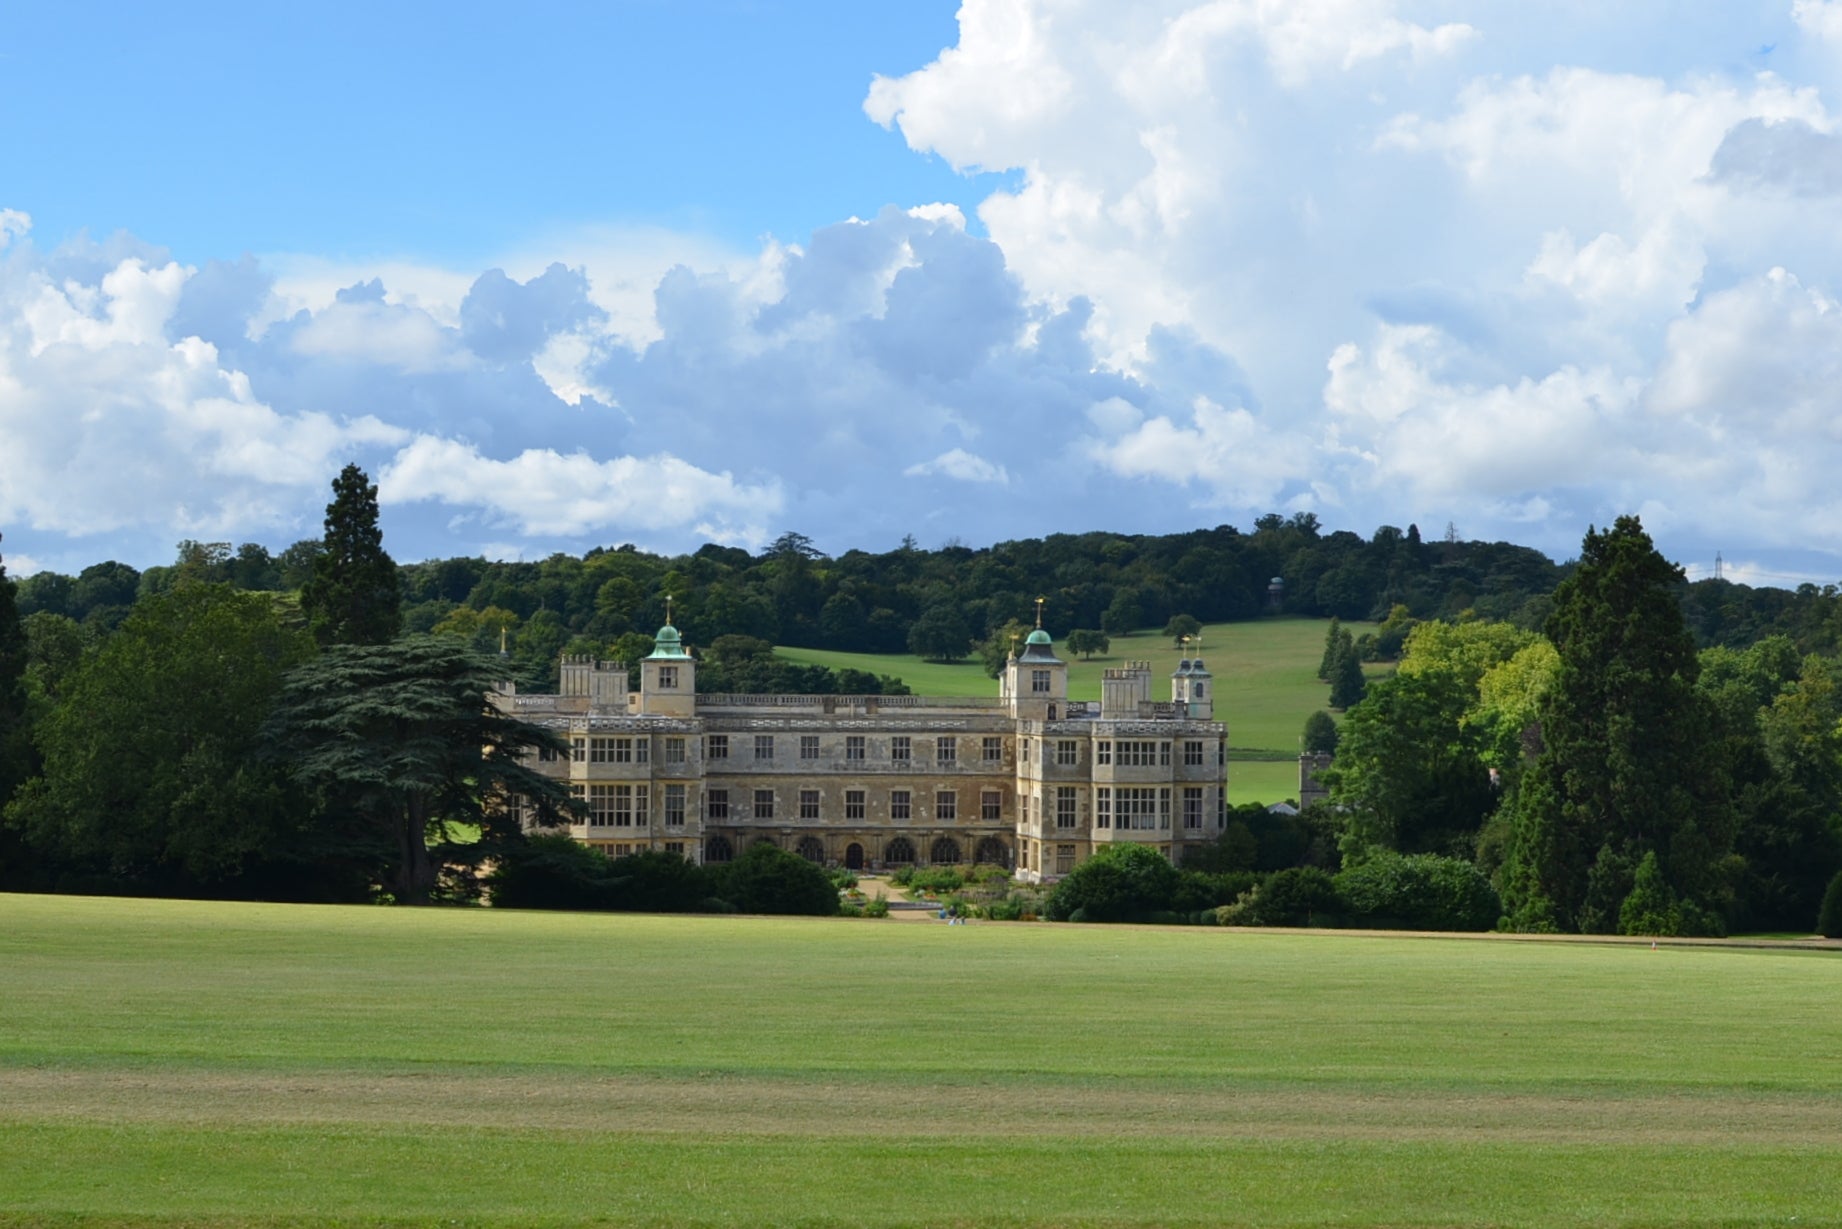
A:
(960, 464)
(541, 492)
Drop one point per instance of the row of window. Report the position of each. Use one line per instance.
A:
(1145, 808)
(1135, 808)
(629, 806)
(902, 804)
(1127, 753)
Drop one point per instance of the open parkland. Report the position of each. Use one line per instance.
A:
(222, 1064)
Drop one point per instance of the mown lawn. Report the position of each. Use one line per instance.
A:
(1266, 684)
(207, 1064)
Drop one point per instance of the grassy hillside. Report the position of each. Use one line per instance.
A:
(226, 1064)
(1265, 685)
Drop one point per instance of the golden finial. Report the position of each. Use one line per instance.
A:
(502, 640)
(1039, 613)
(668, 610)
(1014, 639)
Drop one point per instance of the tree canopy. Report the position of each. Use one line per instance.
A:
(353, 596)
(1628, 765)
(151, 764)
(399, 740)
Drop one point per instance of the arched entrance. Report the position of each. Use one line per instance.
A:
(853, 856)
(993, 852)
(899, 852)
(810, 848)
(944, 852)
(717, 849)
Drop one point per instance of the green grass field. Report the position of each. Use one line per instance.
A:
(1265, 680)
(176, 1063)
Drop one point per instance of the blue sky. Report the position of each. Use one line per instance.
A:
(669, 272)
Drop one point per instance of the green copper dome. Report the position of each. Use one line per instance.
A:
(667, 644)
(1039, 636)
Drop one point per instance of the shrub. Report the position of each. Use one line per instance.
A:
(935, 879)
(553, 871)
(768, 879)
(1198, 890)
(1418, 892)
(1829, 917)
(1119, 883)
(1650, 908)
(1292, 897)
(878, 906)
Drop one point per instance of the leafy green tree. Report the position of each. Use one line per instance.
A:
(940, 634)
(1778, 719)
(353, 597)
(55, 645)
(1466, 650)
(768, 879)
(1124, 614)
(1086, 642)
(152, 767)
(1829, 915)
(1408, 775)
(400, 740)
(1506, 713)
(1320, 737)
(1333, 649)
(1650, 908)
(1120, 882)
(1182, 627)
(1627, 764)
(1347, 684)
(631, 648)
(1391, 636)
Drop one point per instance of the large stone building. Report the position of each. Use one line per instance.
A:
(1026, 779)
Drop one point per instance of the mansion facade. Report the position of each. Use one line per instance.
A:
(1027, 779)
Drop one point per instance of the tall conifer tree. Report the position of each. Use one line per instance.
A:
(353, 596)
(1627, 766)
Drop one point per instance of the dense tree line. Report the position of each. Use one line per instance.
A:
(1665, 757)
(941, 603)
(1606, 774)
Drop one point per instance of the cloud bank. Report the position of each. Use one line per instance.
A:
(1383, 261)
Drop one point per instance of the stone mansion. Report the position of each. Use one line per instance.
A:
(1027, 779)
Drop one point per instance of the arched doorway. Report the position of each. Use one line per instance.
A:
(899, 852)
(810, 848)
(717, 849)
(853, 856)
(993, 852)
(944, 852)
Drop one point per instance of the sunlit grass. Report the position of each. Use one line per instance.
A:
(240, 1064)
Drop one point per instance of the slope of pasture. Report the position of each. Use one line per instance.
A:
(231, 1064)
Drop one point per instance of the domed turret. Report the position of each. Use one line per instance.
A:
(1190, 685)
(668, 675)
(1036, 680)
